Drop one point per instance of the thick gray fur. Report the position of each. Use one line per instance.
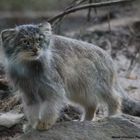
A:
(66, 71)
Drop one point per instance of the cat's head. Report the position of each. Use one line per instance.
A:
(26, 42)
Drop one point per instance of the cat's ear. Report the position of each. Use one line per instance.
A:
(45, 27)
(7, 34)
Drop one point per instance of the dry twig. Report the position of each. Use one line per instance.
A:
(85, 6)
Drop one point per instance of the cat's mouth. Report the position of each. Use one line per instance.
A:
(29, 56)
(35, 54)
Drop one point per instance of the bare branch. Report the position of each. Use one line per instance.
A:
(89, 12)
(73, 4)
(108, 19)
(92, 5)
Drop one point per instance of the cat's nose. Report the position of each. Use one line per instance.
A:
(35, 50)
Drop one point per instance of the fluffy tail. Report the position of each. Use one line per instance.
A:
(128, 105)
(131, 106)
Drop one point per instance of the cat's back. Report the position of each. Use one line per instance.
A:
(72, 48)
(61, 42)
(74, 59)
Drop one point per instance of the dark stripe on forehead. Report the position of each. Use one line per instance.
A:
(28, 31)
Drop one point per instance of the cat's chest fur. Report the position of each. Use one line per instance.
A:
(29, 71)
(30, 79)
(35, 80)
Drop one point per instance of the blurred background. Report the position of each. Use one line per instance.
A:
(15, 12)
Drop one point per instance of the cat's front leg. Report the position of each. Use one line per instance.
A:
(48, 114)
(32, 114)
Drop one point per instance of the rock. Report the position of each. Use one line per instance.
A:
(4, 94)
(10, 125)
(4, 84)
(11, 103)
(119, 126)
(10, 119)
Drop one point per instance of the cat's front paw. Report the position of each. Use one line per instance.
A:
(43, 125)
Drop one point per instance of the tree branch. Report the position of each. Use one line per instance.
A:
(89, 12)
(92, 5)
(72, 5)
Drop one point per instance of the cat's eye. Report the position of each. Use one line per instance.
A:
(40, 38)
(25, 42)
